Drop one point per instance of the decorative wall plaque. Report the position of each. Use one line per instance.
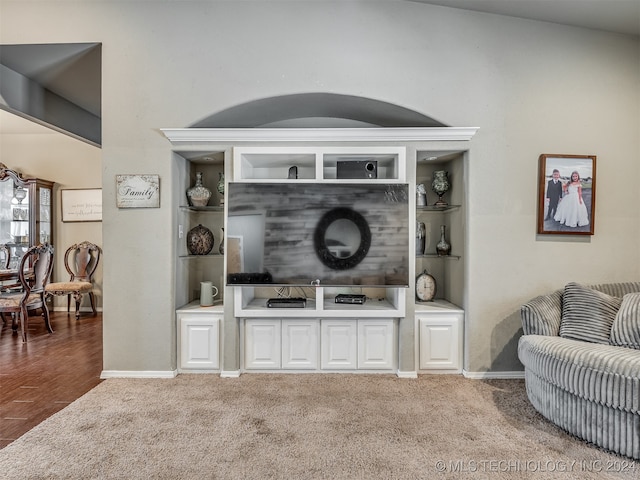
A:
(81, 205)
(137, 191)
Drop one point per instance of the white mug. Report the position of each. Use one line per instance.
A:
(207, 291)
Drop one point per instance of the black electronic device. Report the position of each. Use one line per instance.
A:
(247, 278)
(294, 302)
(357, 169)
(351, 299)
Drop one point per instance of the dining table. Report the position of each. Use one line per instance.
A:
(12, 274)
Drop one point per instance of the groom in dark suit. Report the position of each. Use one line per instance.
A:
(554, 192)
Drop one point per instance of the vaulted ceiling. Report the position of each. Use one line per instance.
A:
(69, 75)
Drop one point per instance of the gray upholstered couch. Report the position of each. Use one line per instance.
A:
(589, 388)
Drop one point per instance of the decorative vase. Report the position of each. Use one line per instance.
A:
(443, 248)
(199, 240)
(420, 238)
(220, 187)
(221, 247)
(19, 194)
(198, 195)
(421, 195)
(440, 185)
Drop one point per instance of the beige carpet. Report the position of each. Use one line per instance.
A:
(264, 426)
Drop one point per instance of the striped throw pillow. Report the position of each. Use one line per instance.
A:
(587, 314)
(625, 331)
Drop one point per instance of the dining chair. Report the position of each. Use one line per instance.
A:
(5, 256)
(81, 261)
(33, 274)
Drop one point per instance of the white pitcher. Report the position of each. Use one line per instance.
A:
(207, 291)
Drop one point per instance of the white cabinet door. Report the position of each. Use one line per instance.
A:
(199, 342)
(441, 342)
(375, 344)
(339, 344)
(262, 343)
(300, 344)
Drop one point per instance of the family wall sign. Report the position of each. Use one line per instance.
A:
(137, 191)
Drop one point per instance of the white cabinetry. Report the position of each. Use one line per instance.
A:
(339, 344)
(300, 344)
(263, 343)
(440, 338)
(334, 337)
(319, 344)
(376, 341)
(199, 338)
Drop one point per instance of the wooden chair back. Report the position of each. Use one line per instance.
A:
(33, 274)
(39, 259)
(5, 256)
(81, 261)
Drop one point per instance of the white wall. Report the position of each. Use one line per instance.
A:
(531, 87)
(70, 164)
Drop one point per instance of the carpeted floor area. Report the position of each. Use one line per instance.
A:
(264, 426)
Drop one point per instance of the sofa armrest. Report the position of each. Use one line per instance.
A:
(542, 315)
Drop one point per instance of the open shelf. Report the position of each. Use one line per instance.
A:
(190, 208)
(317, 164)
(435, 208)
(435, 255)
(387, 303)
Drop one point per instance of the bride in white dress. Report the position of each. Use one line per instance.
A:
(572, 211)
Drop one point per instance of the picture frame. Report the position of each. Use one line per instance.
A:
(566, 203)
(81, 205)
(138, 191)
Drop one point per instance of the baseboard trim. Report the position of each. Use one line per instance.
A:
(73, 311)
(138, 374)
(516, 375)
(230, 374)
(412, 374)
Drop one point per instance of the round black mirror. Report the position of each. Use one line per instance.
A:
(342, 238)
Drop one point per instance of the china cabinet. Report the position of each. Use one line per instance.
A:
(26, 208)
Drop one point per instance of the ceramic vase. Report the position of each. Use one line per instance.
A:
(420, 238)
(199, 240)
(443, 248)
(421, 196)
(440, 185)
(221, 247)
(198, 195)
(220, 187)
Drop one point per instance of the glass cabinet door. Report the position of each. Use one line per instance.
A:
(26, 213)
(43, 218)
(15, 218)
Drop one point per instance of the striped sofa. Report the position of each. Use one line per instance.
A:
(588, 387)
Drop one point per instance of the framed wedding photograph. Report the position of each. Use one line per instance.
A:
(566, 194)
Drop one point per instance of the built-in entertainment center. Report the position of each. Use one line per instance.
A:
(330, 226)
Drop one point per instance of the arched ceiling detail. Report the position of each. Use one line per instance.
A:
(316, 110)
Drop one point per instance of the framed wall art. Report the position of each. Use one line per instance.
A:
(566, 194)
(81, 205)
(137, 191)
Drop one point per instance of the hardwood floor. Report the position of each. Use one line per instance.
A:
(44, 375)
